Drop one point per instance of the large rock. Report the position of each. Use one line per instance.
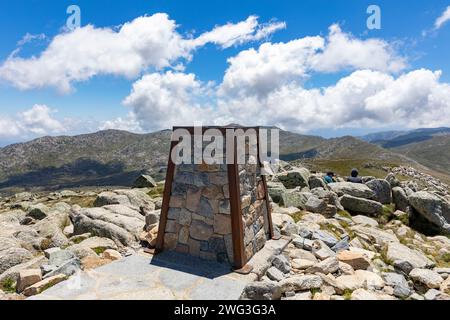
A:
(382, 190)
(144, 181)
(361, 205)
(406, 259)
(119, 223)
(38, 211)
(296, 198)
(398, 283)
(330, 265)
(28, 278)
(400, 199)
(134, 198)
(43, 285)
(368, 295)
(375, 235)
(277, 191)
(316, 182)
(355, 259)
(263, 290)
(425, 279)
(298, 177)
(325, 236)
(12, 257)
(365, 221)
(315, 205)
(358, 190)
(433, 208)
(300, 283)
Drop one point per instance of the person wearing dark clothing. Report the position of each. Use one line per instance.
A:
(329, 178)
(354, 177)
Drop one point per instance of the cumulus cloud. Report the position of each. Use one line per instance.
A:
(365, 98)
(160, 101)
(36, 121)
(445, 17)
(146, 42)
(275, 64)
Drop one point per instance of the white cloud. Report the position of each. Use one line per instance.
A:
(146, 42)
(234, 34)
(36, 121)
(128, 123)
(160, 101)
(273, 65)
(445, 17)
(28, 37)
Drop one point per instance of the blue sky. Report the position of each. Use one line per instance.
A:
(408, 32)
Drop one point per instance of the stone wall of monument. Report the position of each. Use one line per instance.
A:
(254, 209)
(199, 217)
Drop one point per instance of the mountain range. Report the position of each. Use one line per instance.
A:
(116, 158)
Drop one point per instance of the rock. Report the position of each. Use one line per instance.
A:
(356, 260)
(99, 243)
(400, 199)
(360, 205)
(425, 278)
(315, 205)
(300, 283)
(316, 182)
(152, 218)
(144, 181)
(28, 278)
(352, 189)
(302, 254)
(290, 229)
(68, 268)
(119, 223)
(406, 259)
(374, 235)
(365, 221)
(264, 290)
(363, 294)
(342, 245)
(90, 263)
(275, 274)
(445, 286)
(43, 285)
(360, 279)
(302, 296)
(280, 219)
(295, 198)
(13, 273)
(393, 181)
(321, 250)
(431, 207)
(434, 294)
(12, 257)
(382, 190)
(81, 252)
(38, 211)
(281, 263)
(399, 283)
(298, 177)
(346, 269)
(58, 257)
(200, 230)
(329, 239)
(302, 264)
(108, 198)
(112, 255)
(330, 265)
(416, 296)
(277, 191)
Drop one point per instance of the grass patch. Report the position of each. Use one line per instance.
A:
(384, 257)
(157, 191)
(99, 250)
(345, 214)
(347, 294)
(298, 216)
(315, 291)
(8, 286)
(387, 214)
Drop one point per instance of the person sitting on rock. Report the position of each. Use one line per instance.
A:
(329, 178)
(354, 177)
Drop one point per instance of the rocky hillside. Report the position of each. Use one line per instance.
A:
(116, 158)
(426, 146)
(382, 239)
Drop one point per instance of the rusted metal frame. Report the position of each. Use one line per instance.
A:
(266, 191)
(236, 216)
(166, 200)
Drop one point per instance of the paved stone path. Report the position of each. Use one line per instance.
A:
(167, 276)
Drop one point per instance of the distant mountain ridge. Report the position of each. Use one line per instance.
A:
(116, 158)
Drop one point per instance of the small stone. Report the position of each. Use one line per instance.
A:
(321, 250)
(275, 274)
(43, 285)
(301, 283)
(282, 263)
(437, 295)
(356, 260)
(330, 265)
(302, 264)
(263, 290)
(28, 278)
(112, 255)
(426, 278)
(346, 269)
(326, 237)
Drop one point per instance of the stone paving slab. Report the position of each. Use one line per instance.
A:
(167, 276)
